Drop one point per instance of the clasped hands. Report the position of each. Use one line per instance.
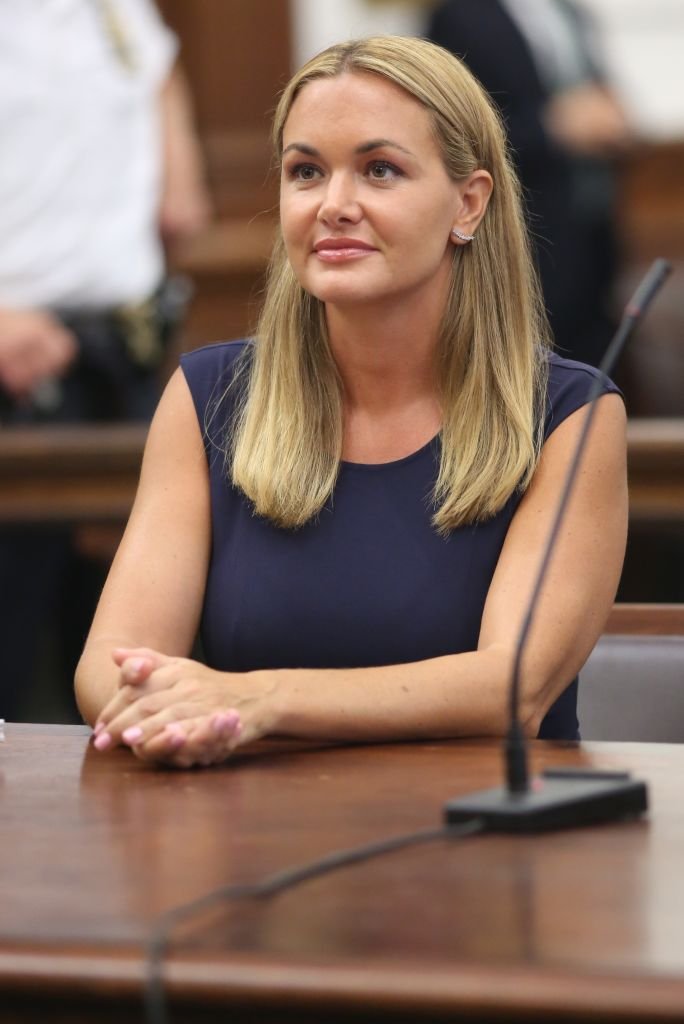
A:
(179, 712)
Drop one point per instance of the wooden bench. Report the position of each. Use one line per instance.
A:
(69, 474)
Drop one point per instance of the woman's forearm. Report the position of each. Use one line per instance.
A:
(455, 695)
(187, 713)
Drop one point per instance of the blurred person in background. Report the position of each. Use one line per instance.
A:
(100, 173)
(538, 60)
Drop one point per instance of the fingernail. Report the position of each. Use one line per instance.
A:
(102, 741)
(224, 720)
(135, 665)
(175, 735)
(132, 734)
(99, 726)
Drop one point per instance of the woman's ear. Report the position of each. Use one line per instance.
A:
(473, 197)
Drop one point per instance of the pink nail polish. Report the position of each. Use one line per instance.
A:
(176, 740)
(102, 741)
(99, 726)
(224, 721)
(174, 735)
(132, 735)
(134, 666)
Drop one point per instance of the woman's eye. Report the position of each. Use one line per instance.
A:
(381, 170)
(303, 172)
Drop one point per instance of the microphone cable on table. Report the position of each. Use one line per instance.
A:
(273, 885)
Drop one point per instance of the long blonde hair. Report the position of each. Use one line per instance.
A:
(287, 435)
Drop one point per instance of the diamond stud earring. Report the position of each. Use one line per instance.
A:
(461, 235)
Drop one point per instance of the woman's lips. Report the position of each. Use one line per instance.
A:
(338, 250)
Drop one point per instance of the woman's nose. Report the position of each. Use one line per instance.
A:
(340, 201)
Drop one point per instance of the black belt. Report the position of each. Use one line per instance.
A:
(142, 329)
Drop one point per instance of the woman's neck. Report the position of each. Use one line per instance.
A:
(385, 357)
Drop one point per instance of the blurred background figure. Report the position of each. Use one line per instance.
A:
(539, 61)
(100, 175)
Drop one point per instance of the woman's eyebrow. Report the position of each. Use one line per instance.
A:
(365, 147)
(301, 147)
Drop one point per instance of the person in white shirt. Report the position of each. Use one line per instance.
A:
(100, 173)
(100, 166)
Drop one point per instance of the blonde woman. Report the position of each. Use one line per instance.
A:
(350, 508)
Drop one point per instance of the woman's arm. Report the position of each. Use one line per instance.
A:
(466, 694)
(585, 570)
(154, 591)
(176, 709)
(185, 205)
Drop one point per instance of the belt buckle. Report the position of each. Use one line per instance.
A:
(138, 322)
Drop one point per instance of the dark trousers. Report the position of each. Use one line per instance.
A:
(48, 589)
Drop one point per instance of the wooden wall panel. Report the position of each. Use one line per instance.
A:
(651, 224)
(236, 55)
(651, 210)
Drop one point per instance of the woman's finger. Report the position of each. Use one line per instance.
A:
(148, 716)
(207, 739)
(144, 727)
(133, 704)
(160, 680)
(120, 654)
(137, 664)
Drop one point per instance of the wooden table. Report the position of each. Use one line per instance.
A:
(583, 925)
(88, 475)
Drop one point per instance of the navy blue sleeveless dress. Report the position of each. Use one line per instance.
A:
(369, 582)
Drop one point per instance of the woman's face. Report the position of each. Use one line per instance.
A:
(366, 204)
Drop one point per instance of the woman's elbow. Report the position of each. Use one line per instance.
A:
(541, 690)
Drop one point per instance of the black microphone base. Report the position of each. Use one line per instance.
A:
(559, 798)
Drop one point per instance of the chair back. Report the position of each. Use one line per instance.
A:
(632, 686)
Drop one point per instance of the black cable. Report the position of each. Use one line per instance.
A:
(516, 742)
(272, 885)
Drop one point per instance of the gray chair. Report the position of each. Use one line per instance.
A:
(632, 686)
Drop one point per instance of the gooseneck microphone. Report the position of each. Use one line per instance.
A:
(561, 798)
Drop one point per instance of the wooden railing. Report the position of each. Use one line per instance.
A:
(646, 620)
(89, 474)
(69, 474)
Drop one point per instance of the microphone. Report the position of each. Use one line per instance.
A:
(561, 797)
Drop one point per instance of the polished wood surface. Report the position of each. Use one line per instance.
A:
(584, 925)
(58, 474)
